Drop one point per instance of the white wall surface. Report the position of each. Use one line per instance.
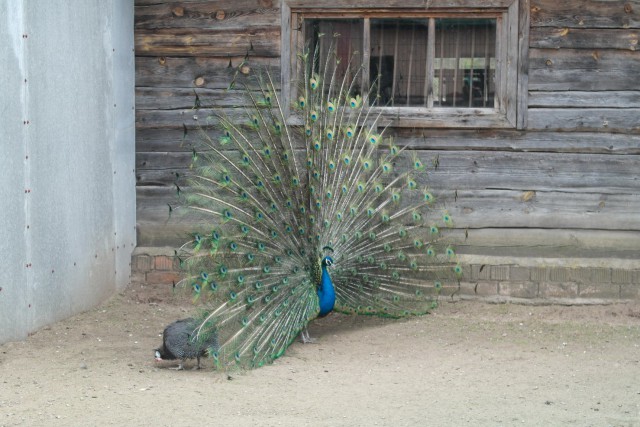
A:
(67, 147)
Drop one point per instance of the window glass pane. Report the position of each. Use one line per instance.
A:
(399, 61)
(465, 63)
(344, 37)
(463, 68)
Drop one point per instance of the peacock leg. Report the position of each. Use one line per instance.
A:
(305, 338)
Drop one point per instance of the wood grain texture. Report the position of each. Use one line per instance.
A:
(169, 98)
(579, 38)
(470, 170)
(397, 4)
(218, 73)
(588, 119)
(585, 13)
(166, 140)
(197, 15)
(583, 69)
(253, 41)
(584, 99)
(594, 226)
(486, 209)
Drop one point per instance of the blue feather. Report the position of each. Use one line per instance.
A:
(326, 291)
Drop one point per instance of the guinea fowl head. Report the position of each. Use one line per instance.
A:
(163, 354)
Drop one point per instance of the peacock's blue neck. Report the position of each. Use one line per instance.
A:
(326, 293)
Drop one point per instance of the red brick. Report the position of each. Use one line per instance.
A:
(163, 262)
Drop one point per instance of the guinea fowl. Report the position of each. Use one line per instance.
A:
(179, 342)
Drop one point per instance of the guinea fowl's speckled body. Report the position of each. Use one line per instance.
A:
(178, 342)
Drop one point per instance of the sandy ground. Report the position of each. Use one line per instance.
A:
(468, 363)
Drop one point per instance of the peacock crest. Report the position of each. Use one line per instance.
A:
(308, 208)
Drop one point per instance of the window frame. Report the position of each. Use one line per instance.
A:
(512, 36)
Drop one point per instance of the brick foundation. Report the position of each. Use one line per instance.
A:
(571, 281)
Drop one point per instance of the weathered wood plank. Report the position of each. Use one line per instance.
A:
(152, 234)
(397, 4)
(579, 38)
(587, 119)
(520, 242)
(254, 41)
(584, 70)
(166, 98)
(486, 209)
(508, 140)
(592, 173)
(445, 118)
(523, 63)
(215, 73)
(510, 68)
(551, 243)
(585, 13)
(222, 14)
(471, 170)
(581, 99)
(511, 209)
(580, 120)
(157, 228)
(151, 140)
(177, 119)
(262, 3)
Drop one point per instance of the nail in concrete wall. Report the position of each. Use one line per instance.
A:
(66, 158)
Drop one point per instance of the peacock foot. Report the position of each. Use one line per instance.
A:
(305, 338)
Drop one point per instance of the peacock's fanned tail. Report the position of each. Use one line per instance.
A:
(281, 191)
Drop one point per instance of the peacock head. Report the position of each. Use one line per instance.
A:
(327, 261)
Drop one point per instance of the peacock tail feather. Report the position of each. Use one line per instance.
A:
(281, 192)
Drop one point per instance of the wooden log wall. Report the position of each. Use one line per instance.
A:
(566, 186)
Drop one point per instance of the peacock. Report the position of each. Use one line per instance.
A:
(308, 208)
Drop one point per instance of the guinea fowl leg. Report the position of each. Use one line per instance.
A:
(198, 365)
(180, 367)
(305, 338)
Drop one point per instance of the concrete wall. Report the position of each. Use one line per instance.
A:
(67, 184)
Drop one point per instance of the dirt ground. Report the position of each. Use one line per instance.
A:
(468, 363)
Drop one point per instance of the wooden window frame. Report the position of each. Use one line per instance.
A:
(512, 35)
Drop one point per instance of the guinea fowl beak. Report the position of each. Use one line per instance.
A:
(158, 357)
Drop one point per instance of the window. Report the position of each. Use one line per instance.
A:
(435, 66)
